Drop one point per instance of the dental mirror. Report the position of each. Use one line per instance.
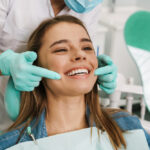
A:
(137, 38)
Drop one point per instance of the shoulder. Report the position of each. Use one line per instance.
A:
(126, 121)
(9, 139)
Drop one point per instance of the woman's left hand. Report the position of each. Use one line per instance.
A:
(107, 74)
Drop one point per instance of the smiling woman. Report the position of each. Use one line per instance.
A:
(70, 53)
(71, 103)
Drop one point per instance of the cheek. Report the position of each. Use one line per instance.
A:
(56, 64)
(42, 62)
(94, 61)
(50, 62)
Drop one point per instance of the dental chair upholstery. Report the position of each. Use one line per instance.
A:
(137, 38)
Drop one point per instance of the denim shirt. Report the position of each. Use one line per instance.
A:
(123, 119)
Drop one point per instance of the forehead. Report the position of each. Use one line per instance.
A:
(65, 30)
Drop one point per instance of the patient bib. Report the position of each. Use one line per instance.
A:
(82, 140)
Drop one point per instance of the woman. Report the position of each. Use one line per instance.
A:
(15, 29)
(61, 106)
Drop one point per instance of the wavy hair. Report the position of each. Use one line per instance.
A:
(33, 103)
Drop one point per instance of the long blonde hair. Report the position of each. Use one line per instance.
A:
(33, 103)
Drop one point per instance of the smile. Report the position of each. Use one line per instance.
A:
(78, 73)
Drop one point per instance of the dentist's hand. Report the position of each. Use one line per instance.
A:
(107, 74)
(25, 75)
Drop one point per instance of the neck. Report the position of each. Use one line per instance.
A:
(57, 5)
(65, 114)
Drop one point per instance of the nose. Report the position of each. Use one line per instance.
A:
(78, 55)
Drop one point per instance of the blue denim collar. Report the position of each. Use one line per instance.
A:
(40, 130)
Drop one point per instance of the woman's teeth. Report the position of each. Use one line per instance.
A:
(78, 71)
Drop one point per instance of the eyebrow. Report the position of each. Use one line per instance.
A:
(59, 42)
(67, 41)
(85, 40)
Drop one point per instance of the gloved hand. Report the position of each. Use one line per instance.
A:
(25, 76)
(107, 74)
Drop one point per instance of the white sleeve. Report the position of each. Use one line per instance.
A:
(91, 21)
(91, 18)
(4, 9)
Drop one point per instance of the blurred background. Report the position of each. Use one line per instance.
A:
(112, 18)
(110, 38)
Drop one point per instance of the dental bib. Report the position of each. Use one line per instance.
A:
(82, 140)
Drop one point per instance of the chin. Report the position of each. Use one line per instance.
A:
(82, 89)
(73, 88)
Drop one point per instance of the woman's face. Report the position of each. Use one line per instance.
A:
(68, 50)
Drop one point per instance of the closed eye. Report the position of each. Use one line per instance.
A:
(88, 48)
(60, 50)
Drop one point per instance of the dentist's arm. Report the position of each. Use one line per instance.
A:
(25, 77)
(12, 100)
(0, 62)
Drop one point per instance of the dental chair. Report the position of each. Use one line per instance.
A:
(137, 38)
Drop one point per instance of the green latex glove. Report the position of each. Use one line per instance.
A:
(12, 100)
(25, 76)
(107, 74)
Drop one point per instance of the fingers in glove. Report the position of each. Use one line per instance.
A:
(107, 78)
(105, 70)
(27, 86)
(104, 60)
(42, 72)
(109, 85)
(32, 84)
(30, 56)
(29, 89)
(108, 91)
(35, 78)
